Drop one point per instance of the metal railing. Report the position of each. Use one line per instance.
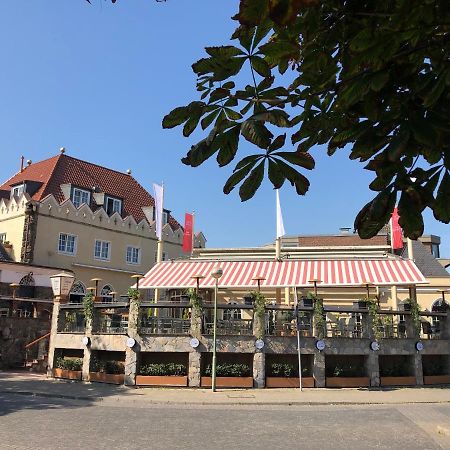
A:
(71, 322)
(164, 325)
(111, 324)
(231, 327)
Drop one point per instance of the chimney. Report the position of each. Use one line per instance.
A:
(22, 159)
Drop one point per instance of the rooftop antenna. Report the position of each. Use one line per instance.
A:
(22, 159)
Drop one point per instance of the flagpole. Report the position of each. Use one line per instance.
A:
(298, 340)
(159, 245)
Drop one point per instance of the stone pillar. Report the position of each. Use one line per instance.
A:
(444, 326)
(194, 374)
(131, 354)
(53, 332)
(373, 368)
(411, 332)
(196, 322)
(367, 329)
(259, 324)
(394, 297)
(319, 369)
(418, 369)
(259, 369)
(87, 353)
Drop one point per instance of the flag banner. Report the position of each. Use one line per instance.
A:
(396, 231)
(188, 232)
(159, 198)
(280, 225)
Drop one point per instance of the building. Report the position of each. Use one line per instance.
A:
(97, 222)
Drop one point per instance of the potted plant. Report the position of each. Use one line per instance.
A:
(69, 368)
(107, 371)
(347, 376)
(435, 374)
(162, 374)
(395, 376)
(284, 375)
(229, 375)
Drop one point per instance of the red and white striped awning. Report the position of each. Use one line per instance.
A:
(241, 274)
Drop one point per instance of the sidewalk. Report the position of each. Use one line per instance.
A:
(38, 385)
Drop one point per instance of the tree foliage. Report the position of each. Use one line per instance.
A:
(371, 77)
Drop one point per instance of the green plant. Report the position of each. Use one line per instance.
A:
(285, 370)
(196, 300)
(135, 300)
(88, 305)
(229, 370)
(349, 370)
(163, 369)
(109, 367)
(415, 315)
(69, 363)
(318, 316)
(374, 315)
(433, 369)
(259, 308)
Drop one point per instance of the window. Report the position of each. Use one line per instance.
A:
(163, 256)
(77, 293)
(113, 205)
(67, 244)
(105, 293)
(17, 191)
(2, 238)
(4, 312)
(102, 250)
(80, 197)
(435, 250)
(133, 255)
(232, 314)
(165, 217)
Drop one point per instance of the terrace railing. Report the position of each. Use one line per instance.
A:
(165, 318)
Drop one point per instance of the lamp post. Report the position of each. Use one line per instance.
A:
(137, 277)
(315, 281)
(216, 274)
(442, 292)
(197, 278)
(259, 279)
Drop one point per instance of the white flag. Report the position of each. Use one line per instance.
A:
(280, 225)
(159, 198)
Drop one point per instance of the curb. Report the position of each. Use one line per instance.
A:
(228, 403)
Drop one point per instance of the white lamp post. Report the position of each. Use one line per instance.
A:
(62, 284)
(216, 274)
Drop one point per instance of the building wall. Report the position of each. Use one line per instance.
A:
(89, 226)
(12, 220)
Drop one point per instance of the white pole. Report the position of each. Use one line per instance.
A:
(298, 340)
(410, 249)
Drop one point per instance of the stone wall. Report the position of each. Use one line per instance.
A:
(15, 333)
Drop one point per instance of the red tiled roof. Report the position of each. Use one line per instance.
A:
(345, 240)
(63, 169)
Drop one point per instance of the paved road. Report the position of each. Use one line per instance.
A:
(43, 423)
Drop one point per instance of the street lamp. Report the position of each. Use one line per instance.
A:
(137, 277)
(314, 281)
(62, 284)
(216, 274)
(259, 279)
(197, 278)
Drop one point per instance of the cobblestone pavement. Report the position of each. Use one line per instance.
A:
(46, 423)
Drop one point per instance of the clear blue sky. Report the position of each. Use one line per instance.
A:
(98, 80)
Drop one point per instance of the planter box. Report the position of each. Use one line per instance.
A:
(291, 382)
(436, 379)
(228, 382)
(347, 382)
(397, 381)
(67, 374)
(106, 377)
(168, 380)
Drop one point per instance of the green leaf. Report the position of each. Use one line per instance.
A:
(363, 40)
(276, 117)
(198, 154)
(276, 176)
(299, 181)
(260, 66)
(302, 159)
(277, 143)
(256, 133)
(252, 183)
(207, 120)
(410, 219)
(252, 12)
(228, 144)
(237, 177)
(252, 159)
(441, 209)
(379, 80)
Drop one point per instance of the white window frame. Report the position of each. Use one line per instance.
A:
(17, 191)
(81, 191)
(115, 201)
(165, 218)
(75, 242)
(139, 253)
(102, 258)
(2, 238)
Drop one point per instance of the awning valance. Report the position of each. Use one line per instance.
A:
(241, 274)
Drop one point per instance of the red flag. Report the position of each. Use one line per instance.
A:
(396, 231)
(188, 232)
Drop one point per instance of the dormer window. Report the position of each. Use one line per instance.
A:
(18, 190)
(113, 205)
(165, 217)
(80, 197)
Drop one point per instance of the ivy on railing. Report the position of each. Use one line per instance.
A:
(196, 300)
(375, 318)
(88, 305)
(135, 299)
(318, 315)
(259, 307)
(415, 314)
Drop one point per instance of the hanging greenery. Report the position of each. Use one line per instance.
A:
(135, 299)
(259, 302)
(88, 305)
(375, 319)
(318, 315)
(195, 299)
(415, 314)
